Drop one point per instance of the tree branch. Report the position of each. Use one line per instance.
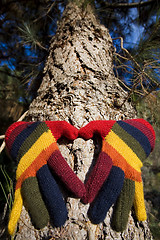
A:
(128, 5)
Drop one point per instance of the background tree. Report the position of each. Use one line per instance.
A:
(27, 28)
(78, 86)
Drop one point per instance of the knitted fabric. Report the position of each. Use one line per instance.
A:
(31, 144)
(123, 206)
(90, 189)
(101, 128)
(106, 196)
(34, 145)
(126, 143)
(116, 177)
(94, 182)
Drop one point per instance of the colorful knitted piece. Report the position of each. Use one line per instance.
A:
(115, 178)
(94, 182)
(125, 142)
(31, 144)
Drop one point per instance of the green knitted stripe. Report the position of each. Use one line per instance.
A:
(34, 202)
(123, 206)
(33, 137)
(130, 141)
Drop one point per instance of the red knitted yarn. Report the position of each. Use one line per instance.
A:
(100, 127)
(144, 127)
(97, 177)
(62, 128)
(61, 168)
(90, 189)
(15, 129)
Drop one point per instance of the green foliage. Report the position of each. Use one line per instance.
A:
(141, 66)
(6, 187)
(7, 172)
(147, 55)
(26, 28)
(29, 36)
(149, 109)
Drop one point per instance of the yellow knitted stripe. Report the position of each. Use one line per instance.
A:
(139, 204)
(117, 143)
(16, 212)
(43, 142)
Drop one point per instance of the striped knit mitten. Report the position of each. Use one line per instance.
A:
(31, 144)
(126, 142)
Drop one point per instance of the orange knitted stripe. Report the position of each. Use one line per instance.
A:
(37, 164)
(120, 161)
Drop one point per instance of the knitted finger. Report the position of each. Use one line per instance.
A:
(21, 187)
(60, 167)
(33, 201)
(52, 196)
(106, 196)
(127, 197)
(123, 206)
(139, 204)
(97, 177)
(16, 212)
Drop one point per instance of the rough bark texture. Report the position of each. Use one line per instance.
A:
(79, 86)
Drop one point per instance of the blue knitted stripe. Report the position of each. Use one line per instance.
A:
(106, 196)
(131, 142)
(21, 138)
(138, 135)
(31, 139)
(52, 196)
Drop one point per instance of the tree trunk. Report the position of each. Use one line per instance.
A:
(79, 86)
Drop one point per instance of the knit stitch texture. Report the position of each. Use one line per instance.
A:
(115, 178)
(126, 143)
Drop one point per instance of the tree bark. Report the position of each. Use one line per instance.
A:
(79, 86)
